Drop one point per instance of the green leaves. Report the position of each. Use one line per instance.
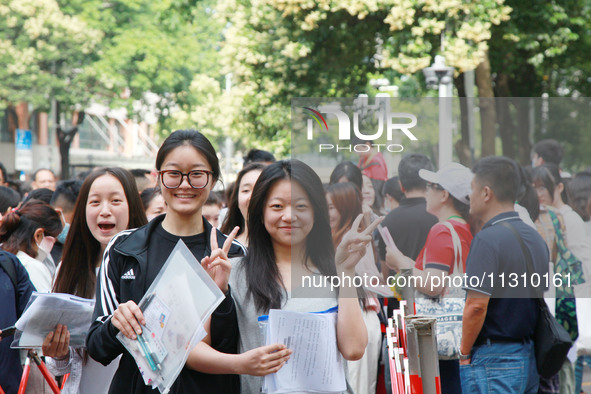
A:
(109, 52)
(43, 53)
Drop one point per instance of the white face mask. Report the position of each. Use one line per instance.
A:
(44, 247)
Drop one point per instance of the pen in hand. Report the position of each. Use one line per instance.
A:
(148, 355)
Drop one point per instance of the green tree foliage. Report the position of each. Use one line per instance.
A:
(277, 51)
(283, 49)
(44, 54)
(150, 46)
(543, 48)
(112, 53)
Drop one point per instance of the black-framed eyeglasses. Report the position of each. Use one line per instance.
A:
(172, 179)
(434, 186)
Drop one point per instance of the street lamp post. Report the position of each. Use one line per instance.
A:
(440, 75)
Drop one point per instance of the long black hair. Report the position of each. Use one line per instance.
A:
(234, 216)
(527, 196)
(262, 275)
(77, 274)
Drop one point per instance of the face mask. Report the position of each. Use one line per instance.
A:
(66, 227)
(62, 236)
(44, 247)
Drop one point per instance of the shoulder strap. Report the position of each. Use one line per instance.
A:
(8, 265)
(457, 244)
(560, 241)
(526, 254)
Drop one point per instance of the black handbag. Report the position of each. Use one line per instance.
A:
(551, 340)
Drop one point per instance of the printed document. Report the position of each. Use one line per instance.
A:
(45, 311)
(316, 365)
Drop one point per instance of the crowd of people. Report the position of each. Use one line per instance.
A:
(106, 235)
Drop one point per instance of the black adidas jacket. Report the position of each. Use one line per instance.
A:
(128, 251)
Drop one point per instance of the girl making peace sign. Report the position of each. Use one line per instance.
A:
(290, 235)
(188, 169)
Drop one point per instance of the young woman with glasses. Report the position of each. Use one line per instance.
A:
(188, 169)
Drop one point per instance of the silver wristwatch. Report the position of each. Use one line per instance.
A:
(463, 356)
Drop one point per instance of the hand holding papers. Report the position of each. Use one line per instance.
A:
(316, 364)
(45, 311)
(174, 309)
(57, 343)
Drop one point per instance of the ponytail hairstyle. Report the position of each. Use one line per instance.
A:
(527, 196)
(18, 227)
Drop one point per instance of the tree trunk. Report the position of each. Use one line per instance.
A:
(522, 105)
(22, 112)
(504, 117)
(11, 120)
(525, 84)
(65, 158)
(65, 138)
(486, 103)
(462, 146)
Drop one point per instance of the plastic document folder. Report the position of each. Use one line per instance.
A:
(316, 365)
(175, 307)
(45, 311)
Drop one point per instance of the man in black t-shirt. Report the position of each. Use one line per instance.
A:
(410, 222)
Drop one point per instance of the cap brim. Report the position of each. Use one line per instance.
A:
(429, 176)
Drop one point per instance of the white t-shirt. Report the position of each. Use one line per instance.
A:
(38, 272)
(579, 243)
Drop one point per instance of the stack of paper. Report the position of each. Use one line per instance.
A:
(45, 311)
(316, 364)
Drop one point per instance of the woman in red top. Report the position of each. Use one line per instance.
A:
(447, 198)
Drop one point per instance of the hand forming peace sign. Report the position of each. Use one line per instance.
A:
(217, 264)
(353, 245)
